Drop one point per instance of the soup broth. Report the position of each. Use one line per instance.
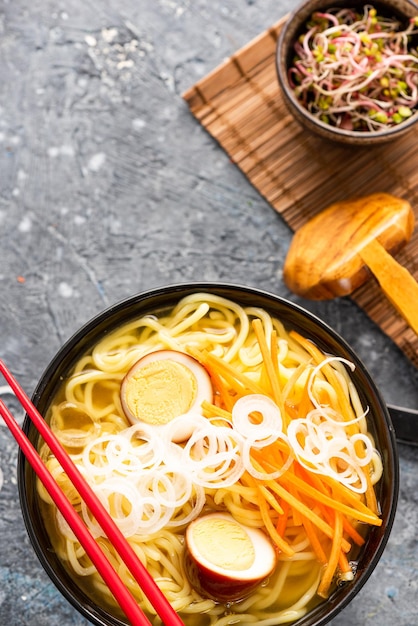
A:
(306, 477)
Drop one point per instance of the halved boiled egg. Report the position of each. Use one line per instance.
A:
(226, 560)
(164, 385)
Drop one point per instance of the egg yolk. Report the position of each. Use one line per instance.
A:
(224, 543)
(160, 391)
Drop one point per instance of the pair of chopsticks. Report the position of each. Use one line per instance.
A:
(122, 595)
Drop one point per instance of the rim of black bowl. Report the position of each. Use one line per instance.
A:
(292, 315)
(358, 137)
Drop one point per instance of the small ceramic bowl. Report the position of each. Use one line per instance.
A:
(292, 316)
(293, 28)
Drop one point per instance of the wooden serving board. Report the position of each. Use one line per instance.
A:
(241, 106)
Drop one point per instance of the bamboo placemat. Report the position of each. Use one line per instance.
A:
(241, 106)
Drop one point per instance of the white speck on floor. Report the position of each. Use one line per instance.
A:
(56, 151)
(124, 64)
(25, 224)
(138, 124)
(65, 290)
(109, 34)
(96, 161)
(90, 40)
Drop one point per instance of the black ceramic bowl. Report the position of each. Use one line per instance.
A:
(294, 26)
(293, 317)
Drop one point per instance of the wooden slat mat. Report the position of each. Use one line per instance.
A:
(241, 106)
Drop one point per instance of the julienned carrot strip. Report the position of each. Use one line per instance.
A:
(275, 356)
(314, 540)
(264, 510)
(231, 374)
(270, 499)
(343, 563)
(291, 383)
(327, 486)
(328, 575)
(271, 464)
(279, 447)
(325, 511)
(353, 533)
(272, 457)
(305, 404)
(349, 529)
(313, 479)
(268, 361)
(296, 504)
(291, 409)
(223, 387)
(227, 378)
(282, 523)
(359, 512)
(227, 399)
(316, 482)
(345, 495)
(297, 517)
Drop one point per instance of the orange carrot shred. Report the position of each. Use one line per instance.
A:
(283, 519)
(358, 511)
(331, 567)
(305, 404)
(344, 564)
(314, 540)
(264, 510)
(268, 361)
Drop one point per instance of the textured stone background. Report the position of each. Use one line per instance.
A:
(108, 187)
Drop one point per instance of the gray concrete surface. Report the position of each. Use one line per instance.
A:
(108, 186)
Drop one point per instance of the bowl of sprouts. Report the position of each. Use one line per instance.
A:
(238, 443)
(348, 70)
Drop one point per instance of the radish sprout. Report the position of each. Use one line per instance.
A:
(356, 72)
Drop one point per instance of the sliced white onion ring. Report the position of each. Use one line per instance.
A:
(115, 494)
(322, 445)
(213, 455)
(271, 425)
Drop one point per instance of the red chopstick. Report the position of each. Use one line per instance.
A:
(123, 596)
(137, 569)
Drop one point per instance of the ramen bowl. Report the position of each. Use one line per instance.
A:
(152, 304)
(318, 118)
